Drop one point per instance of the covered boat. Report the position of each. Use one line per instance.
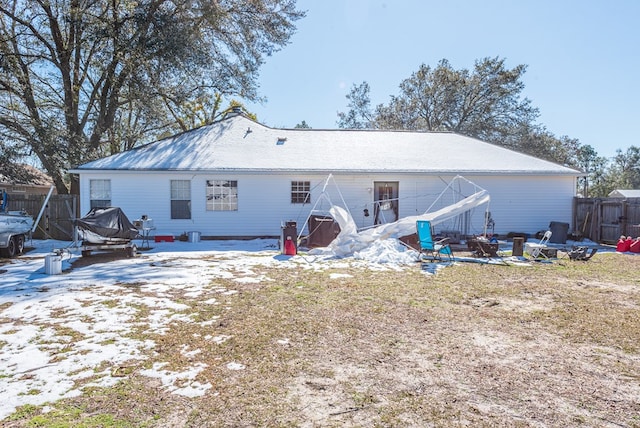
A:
(106, 226)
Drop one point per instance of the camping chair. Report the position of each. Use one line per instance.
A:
(435, 249)
(486, 249)
(581, 253)
(534, 249)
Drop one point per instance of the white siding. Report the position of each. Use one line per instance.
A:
(529, 203)
(518, 203)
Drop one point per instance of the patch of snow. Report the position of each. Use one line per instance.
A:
(212, 321)
(235, 366)
(340, 275)
(221, 339)
(189, 354)
(388, 251)
(169, 379)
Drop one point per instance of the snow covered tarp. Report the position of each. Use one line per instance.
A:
(105, 225)
(350, 240)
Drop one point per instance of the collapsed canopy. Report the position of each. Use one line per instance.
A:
(350, 240)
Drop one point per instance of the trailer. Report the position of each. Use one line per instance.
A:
(105, 229)
(16, 226)
(130, 249)
(12, 244)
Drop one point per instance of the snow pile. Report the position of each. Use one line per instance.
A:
(388, 251)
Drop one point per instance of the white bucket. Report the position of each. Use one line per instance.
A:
(194, 236)
(53, 264)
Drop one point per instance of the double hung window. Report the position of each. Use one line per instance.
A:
(180, 199)
(99, 193)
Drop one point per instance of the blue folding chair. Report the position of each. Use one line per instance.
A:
(429, 247)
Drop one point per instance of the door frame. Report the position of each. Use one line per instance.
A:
(385, 193)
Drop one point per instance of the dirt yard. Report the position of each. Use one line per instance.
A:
(546, 345)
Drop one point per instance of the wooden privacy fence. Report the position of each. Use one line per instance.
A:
(605, 219)
(56, 221)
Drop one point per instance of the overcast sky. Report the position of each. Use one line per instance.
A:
(582, 59)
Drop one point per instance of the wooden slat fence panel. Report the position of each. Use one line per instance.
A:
(632, 219)
(56, 221)
(605, 219)
(612, 220)
(585, 217)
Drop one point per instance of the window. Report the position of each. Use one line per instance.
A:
(300, 192)
(222, 195)
(100, 193)
(180, 199)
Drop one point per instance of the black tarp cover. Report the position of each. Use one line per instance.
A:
(108, 222)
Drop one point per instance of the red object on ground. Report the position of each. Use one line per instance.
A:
(289, 247)
(623, 245)
(163, 238)
(635, 246)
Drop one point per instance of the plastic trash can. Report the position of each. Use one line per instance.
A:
(559, 232)
(53, 264)
(518, 246)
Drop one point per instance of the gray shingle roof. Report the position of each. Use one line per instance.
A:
(240, 144)
(25, 175)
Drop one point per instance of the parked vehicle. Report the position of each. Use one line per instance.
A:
(15, 227)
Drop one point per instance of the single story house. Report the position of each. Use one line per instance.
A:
(625, 193)
(23, 179)
(238, 178)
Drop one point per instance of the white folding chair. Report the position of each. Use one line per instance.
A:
(534, 249)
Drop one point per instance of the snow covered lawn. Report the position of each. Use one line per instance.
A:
(84, 327)
(233, 333)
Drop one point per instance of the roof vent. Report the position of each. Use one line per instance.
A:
(281, 141)
(233, 112)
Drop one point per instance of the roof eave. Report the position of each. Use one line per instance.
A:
(335, 170)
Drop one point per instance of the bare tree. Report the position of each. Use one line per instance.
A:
(82, 78)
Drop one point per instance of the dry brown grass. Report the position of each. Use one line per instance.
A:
(474, 345)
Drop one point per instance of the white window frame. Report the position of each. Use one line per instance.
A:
(222, 195)
(300, 191)
(180, 192)
(99, 193)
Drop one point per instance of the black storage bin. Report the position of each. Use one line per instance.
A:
(559, 232)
